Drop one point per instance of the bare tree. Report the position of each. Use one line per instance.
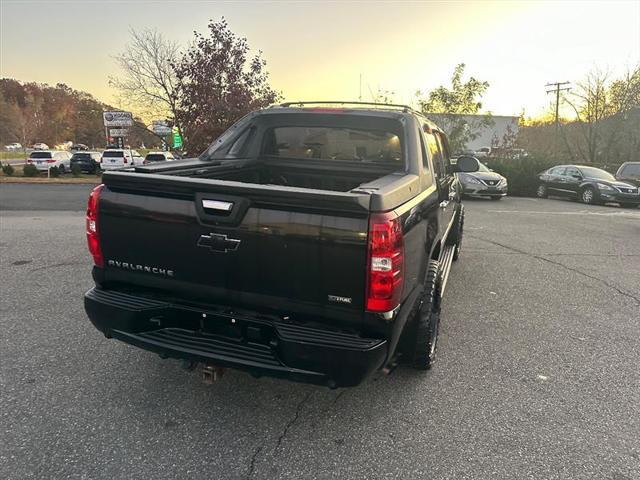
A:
(148, 83)
(601, 109)
(382, 95)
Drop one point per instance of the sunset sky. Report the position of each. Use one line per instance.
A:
(317, 50)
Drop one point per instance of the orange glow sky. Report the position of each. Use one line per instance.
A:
(317, 50)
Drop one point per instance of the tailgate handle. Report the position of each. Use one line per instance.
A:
(217, 209)
(217, 205)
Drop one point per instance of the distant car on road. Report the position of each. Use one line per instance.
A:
(483, 183)
(40, 146)
(78, 147)
(588, 184)
(45, 159)
(629, 172)
(119, 158)
(483, 152)
(87, 161)
(13, 147)
(153, 157)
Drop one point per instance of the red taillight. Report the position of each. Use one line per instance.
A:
(93, 237)
(385, 265)
(125, 159)
(51, 160)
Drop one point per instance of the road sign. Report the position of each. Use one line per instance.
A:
(177, 139)
(117, 119)
(160, 128)
(118, 132)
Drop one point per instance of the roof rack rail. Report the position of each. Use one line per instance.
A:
(382, 106)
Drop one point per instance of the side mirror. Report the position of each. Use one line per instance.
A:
(467, 164)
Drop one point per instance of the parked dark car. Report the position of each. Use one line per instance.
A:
(87, 161)
(629, 172)
(79, 147)
(311, 243)
(588, 185)
(483, 183)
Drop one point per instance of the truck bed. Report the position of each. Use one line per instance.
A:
(339, 177)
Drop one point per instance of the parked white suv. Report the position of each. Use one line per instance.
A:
(13, 147)
(119, 158)
(45, 159)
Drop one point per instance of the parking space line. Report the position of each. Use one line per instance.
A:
(579, 212)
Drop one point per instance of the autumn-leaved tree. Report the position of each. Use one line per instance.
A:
(218, 83)
(452, 104)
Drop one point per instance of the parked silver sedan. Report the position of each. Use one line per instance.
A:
(483, 183)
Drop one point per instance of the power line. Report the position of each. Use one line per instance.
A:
(557, 89)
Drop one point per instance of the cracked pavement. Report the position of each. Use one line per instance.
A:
(537, 373)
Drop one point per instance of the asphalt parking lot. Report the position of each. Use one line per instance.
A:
(537, 373)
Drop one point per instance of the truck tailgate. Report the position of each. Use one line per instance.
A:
(284, 249)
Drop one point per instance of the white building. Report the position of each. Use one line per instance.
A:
(489, 136)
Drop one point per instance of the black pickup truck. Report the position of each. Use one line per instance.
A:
(308, 242)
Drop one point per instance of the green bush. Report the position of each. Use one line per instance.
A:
(521, 173)
(54, 172)
(76, 171)
(30, 170)
(7, 170)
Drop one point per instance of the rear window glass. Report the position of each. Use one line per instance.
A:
(40, 155)
(113, 154)
(81, 156)
(333, 143)
(155, 157)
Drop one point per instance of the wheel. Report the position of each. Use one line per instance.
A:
(542, 191)
(456, 235)
(496, 198)
(61, 169)
(426, 322)
(628, 205)
(588, 196)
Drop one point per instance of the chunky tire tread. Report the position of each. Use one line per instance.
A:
(426, 321)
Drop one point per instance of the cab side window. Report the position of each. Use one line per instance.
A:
(436, 154)
(444, 148)
(423, 151)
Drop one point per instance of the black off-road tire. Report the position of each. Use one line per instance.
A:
(426, 322)
(61, 169)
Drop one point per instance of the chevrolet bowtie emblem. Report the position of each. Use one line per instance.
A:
(218, 243)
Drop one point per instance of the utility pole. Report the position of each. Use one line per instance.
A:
(557, 89)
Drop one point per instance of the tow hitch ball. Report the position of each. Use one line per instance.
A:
(211, 374)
